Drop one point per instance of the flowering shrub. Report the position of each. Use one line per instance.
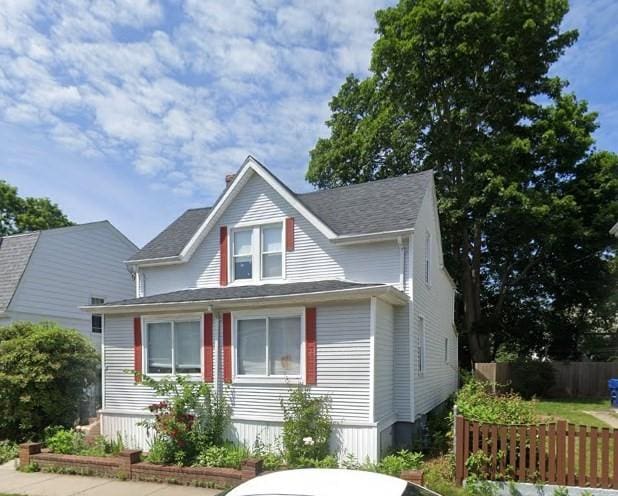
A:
(306, 427)
(191, 419)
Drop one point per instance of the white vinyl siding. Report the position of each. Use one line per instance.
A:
(342, 369)
(435, 304)
(384, 354)
(314, 256)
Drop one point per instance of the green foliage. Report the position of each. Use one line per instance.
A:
(192, 419)
(306, 426)
(439, 476)
(525, 200)
(44, 370)
(401, 460)
(532, 378)
(8, 451)
(440, 428)
(19, 214)
(561, 491)
(228, 455)
(72, 442)
(329, 461)
(480, 487)
(476, 402)
(272, 457)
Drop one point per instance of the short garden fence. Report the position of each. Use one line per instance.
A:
(555, 453)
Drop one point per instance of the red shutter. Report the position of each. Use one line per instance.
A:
(223, 279)
(227, 348)
(311, 374)
(289, 234)
(137, 348)
(208, 350)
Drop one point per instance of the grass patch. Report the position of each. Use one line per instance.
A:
(573, 410)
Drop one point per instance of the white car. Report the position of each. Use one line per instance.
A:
(327, 482)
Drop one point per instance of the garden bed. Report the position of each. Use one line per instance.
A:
(128, 465)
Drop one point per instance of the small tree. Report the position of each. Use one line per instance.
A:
(306, 426)
(44, 370)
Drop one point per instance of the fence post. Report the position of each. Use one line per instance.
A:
(561, 451)
(459, 449)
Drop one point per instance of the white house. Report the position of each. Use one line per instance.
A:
(49, 275)
(343, 290)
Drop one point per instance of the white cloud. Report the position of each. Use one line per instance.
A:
(183, 101)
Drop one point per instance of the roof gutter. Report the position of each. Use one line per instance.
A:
(348, 239)
(387, 292)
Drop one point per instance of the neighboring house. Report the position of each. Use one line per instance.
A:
(48, 275)
(342, 290)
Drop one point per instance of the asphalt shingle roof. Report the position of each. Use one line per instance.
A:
(240, 292)
(15, 252)
(376, 206)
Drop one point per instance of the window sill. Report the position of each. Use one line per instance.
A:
(160, 377)
(271, 381)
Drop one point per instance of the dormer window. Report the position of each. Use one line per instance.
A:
(257, 252)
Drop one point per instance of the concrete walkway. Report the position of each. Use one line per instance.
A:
(44, 484)
(609, 418)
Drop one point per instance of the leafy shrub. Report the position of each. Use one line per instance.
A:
(271, 457)
(476, 402)
(192, 419)
(228, 455)
(72, 442)
(8, 451)
(306, 426)
(531, 378)
(329, 461)
(397, 462)
(44, 370)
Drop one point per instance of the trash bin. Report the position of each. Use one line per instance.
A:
(612, 384)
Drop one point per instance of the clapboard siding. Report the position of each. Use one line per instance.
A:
(435, 304)
(69, 266)
(384, 363)
(313, 258)
(342, 369)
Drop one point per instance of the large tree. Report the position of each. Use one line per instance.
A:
(19, 214)
(462, 87)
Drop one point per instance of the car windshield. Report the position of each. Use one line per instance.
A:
(414, 490)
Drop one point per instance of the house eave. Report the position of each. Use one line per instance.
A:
(387, 293)
(349, 239)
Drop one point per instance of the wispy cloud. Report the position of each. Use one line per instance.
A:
(181, 89)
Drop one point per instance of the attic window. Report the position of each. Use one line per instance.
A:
(257, 252)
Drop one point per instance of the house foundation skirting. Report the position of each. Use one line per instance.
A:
(361, 441)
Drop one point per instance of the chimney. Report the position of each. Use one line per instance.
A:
(229, 178)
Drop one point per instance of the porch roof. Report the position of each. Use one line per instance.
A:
(254, 295)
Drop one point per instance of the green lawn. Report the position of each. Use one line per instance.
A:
(573, 410)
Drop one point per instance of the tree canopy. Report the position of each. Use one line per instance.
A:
(19, 214)
(526, 201)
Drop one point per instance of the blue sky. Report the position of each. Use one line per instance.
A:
(134, 110)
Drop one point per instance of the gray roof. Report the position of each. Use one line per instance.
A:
(174, 237)
(15, 252)
(376, 206)
(240, 292)
(384, 205)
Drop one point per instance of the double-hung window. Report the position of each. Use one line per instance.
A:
(268, 346)
(173, 347)
(257, 252)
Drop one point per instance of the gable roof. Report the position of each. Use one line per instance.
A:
(381, 206)
(15, 252)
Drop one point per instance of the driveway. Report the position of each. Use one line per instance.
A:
(44, 484)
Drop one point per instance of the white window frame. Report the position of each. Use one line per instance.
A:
(268, 379)
(97, 314)
(170, 319)
(421, 355)
(256, 251)
(428, 258)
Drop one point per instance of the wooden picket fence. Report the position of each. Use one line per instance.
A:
(557, 453)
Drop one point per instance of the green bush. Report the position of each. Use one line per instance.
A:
(306, 426)
(531, 378)
(192, 419)
(8, 451)
(329, 461)
(271, 457)
(397, 462)
(476, 402)
(228, 455)
(72, 442)
(44, 370)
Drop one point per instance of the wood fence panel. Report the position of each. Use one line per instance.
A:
(581, 472)
(593, 457)
(615, 471)
(571, 455)
(542, 452)
(552, 453)
(573, 379)
(532, 458)
(605, 457)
